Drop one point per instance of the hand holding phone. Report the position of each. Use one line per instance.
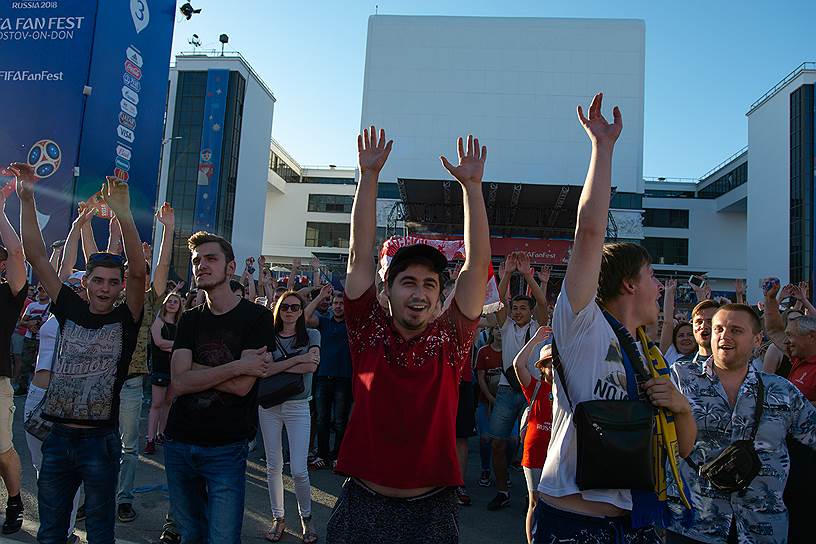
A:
(770, 286)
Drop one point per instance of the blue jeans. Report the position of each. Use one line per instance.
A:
(332, 394)
(554, 525)
(507, 411)
(71, 457)
(130, 408)
(207, 487)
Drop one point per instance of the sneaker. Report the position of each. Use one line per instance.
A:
(499, 501)
(14, 518)
(462, 496)
(160, 439)
(81, 513)
(485, 479)
(252, 444)
(170, 537)
(125, 513)
(73, 539)
(150, 447)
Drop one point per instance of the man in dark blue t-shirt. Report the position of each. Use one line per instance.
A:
(333, 390)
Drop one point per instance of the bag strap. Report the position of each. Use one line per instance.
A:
(559, 371)
(535, 393)
(760, 401)
(282, 349)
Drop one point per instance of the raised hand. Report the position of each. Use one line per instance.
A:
(372, 152)
(510, 263)
(739, 287)
(326, 292)
(295, 264)
(147, 249)
(543, 333)
(166, 215)
(600, 131)
(315, 263)
(117, 194)
(26, 178)
(523, 263)
(670, 287)
(788, 291)
(84, 214)
(544, 275)
(471, 162)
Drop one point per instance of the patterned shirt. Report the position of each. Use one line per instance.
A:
(761, 516)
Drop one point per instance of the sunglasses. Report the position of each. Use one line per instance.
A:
(104, 257)
(290, 307)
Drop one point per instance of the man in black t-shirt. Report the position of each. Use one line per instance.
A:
(12, 296)
(96, 343)
(219, 353)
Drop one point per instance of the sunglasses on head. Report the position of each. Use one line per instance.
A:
(290, 307)
(104, 257)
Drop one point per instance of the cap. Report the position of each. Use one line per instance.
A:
(420, 251)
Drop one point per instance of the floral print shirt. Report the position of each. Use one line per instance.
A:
(759, 512)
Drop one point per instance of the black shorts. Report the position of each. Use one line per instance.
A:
(160, 379)
(466, 412)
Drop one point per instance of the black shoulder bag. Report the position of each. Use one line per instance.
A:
(614, 440)
(510, 372)
(737, 465)
(282, 386)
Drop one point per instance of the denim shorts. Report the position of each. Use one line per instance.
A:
(507, 411)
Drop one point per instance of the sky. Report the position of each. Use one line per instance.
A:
(706, 63)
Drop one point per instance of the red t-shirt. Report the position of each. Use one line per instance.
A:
(402, 430)
(539, 425)
(489, 360)
(22, 330)
(803, 376)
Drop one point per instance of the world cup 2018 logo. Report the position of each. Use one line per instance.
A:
(45, 157)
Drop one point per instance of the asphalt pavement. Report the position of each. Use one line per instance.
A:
(477, 524)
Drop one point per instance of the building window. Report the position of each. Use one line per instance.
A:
(328, 181)
(801, 182)
(727, 182)
(667, 250)
(627, 201)
(282, 168)
(388, 190)
(327, 234)
(228, 181)
(667, 193)
(331, 203)
(672, 219)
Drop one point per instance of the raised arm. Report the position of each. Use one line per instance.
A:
(33, 245)
(472, 282)
(117, 195)
(167, 217)
(509, 266)
(290, 282)
(774, 325)
(56, 257)
(309, 312)
(739, 289)
(668, 315)
(69, 255)
(537, 292)
(584, 266)
(89, 246)
(15, 263)
(773, 356)
(523, 356)
(372, 152)
(114, 236)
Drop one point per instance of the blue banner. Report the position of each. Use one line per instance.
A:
(44, 52)
(123, 124)
(212, 137)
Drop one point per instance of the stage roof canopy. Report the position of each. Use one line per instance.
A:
(513, 209)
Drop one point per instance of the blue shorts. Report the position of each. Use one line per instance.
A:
(554, 525)
(507, 412)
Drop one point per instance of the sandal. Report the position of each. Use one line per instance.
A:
(317, 464)
(310, 536)
(275, 533)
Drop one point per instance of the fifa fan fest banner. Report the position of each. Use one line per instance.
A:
(83, 85)
(451, 249)
(123, 125)
(212, 136)
(44, 51)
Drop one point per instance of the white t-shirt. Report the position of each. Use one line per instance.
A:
(513, 340)
(593, 365)
(48, 340)
(36, 309)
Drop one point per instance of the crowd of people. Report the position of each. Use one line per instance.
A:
(632, 422)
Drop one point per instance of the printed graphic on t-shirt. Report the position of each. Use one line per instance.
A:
(212, 352)
(84, 373)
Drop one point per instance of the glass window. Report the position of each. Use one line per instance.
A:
(330, 181)
(327, 234)
(673, 219)
(667, 250)
(331, 203)
(388, 190)
(626, 201)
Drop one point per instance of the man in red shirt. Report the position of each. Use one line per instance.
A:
(800, 341)
(399, 449)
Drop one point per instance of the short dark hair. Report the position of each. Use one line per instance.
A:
(744, 308)
(400, 266)
(704, 305)
(523, 298)
(676, 331)
(236, 285)
(620, 261)
(115, 261)
(202, 237)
